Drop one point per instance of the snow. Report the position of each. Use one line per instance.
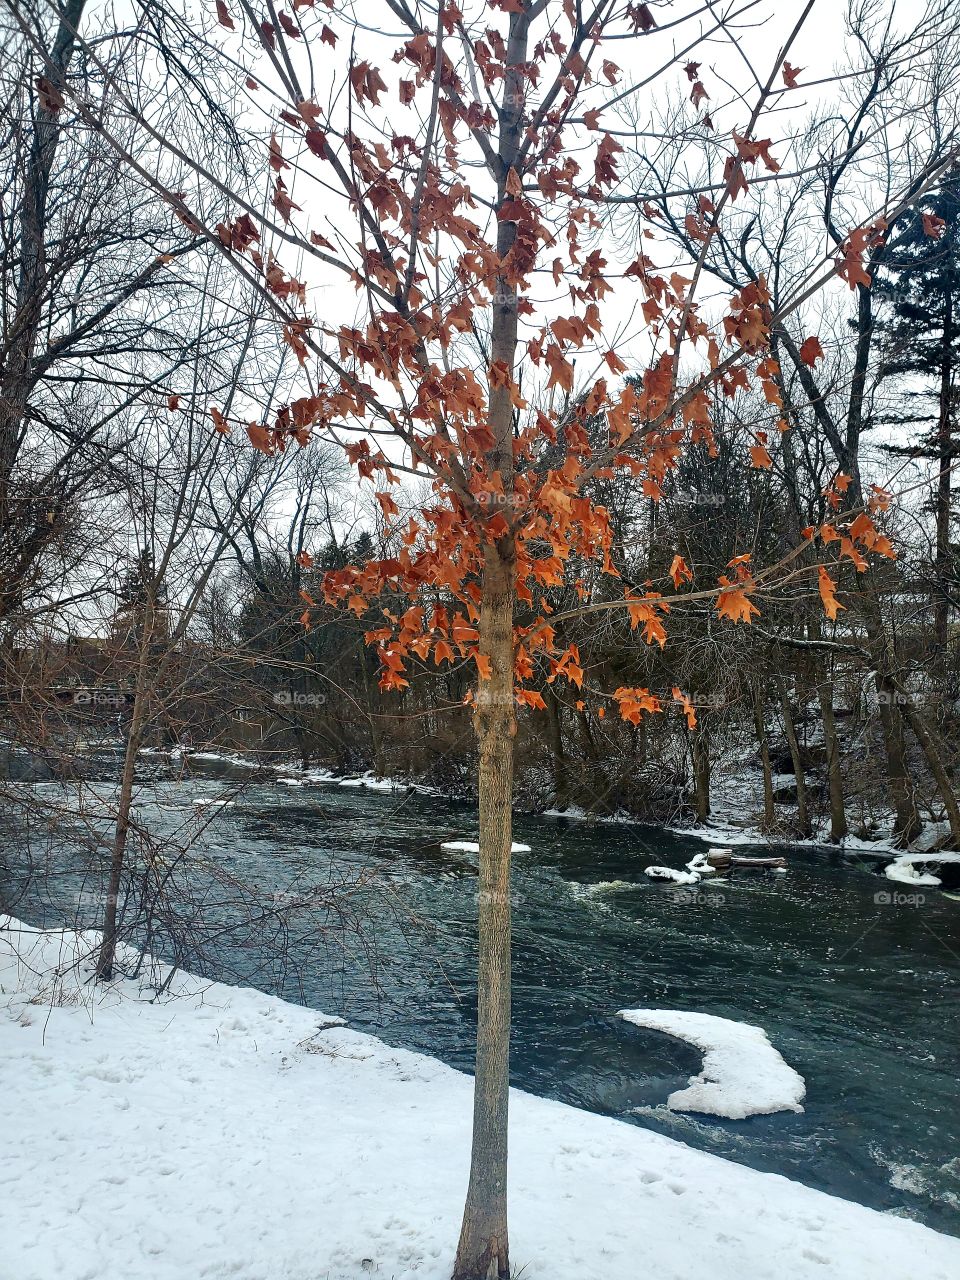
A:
(217, 1132)
(743, 1074)
(470, 846)
(203, 802)
(675, 877)
(904, 871)
(700, 864)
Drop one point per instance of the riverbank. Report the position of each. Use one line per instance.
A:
(218, 1131)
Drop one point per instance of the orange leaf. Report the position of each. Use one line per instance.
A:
(734, 603)
(687, 705)
(811, 351)
(680, 572)
(828, 588)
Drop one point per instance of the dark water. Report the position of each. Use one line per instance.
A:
(860, 996)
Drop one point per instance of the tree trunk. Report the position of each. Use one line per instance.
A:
(482, 1253)
(941, 614)
(838, 817)
(483, 1249)
(925, 736)
(701, 772)
(561, 791)
(907, 822)
(108, 946)
(789, 729)
(769, 813)
(17, 375)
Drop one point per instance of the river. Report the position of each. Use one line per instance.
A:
(860, 995)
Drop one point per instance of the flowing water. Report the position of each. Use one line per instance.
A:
(860, 995)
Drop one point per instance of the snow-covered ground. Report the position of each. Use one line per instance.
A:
(743, 1074)
(218, 1132)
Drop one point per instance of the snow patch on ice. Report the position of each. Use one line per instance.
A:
(903, 869)
(743, 1074)
(674, 877)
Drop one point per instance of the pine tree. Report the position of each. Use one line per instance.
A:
(920, 348)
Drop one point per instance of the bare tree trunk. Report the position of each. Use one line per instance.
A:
(941, 614)
(769, 813)
(701, 772)
(789, 729)
(108, 947)
(838, 817)
(482, 1253)
(931, 750)
(907, 822)
(557, 753)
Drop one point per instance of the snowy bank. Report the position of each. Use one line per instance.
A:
(743, 1075)
(218, 1132)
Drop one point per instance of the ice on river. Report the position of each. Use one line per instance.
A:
(743, 1074)
(904, 869)
(471, 846)
(218, 1132)
(674, 877)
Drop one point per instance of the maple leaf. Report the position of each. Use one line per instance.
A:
(760, 457)
(634, 702)
(223, 16)
(282, 202)
(328, 37)
(641, 17)
(828, 588)
(305, 560)
(750, 150)
(698, 94)
(687, 705)
(51, 99)
(734, 603)
(811, 351)
(933, 226)
(290, 27)
(219, 421)
(173, 402)
(261, 438)
(790, 74)
(680, 571)
(692, 71)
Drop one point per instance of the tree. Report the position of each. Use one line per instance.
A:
(920, 339)
(479, 174)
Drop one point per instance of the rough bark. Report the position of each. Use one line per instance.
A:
(931, 750)
(108, 947)
(701, 773)
(941, 613)
(16, 379)
(769, 813)
(838, 816)
(561, 788)
(789, 729)
(483, 1249)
